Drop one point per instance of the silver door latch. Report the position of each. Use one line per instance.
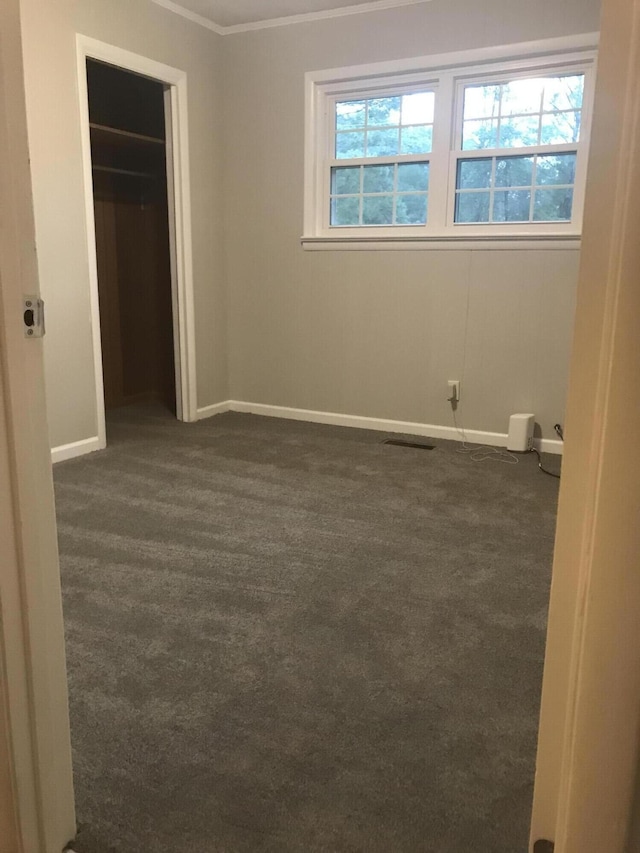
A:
(33, 316)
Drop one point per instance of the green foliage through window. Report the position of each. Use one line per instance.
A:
(384, 127)
(524, 112)
(386, 194)
(534, 188)
(507, 140)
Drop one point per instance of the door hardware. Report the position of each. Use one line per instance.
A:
(33, 316)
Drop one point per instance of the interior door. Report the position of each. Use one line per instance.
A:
(590, 720)
(38, 783)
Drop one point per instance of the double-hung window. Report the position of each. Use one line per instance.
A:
(379, 168)
(516, 148)
(466, 151)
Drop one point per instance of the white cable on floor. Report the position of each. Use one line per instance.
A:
(484, 451)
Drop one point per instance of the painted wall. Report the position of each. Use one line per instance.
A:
(54, 128)
(379, 333)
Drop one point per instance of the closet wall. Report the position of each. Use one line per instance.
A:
(126, 115)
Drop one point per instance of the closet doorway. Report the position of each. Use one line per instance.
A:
(127, 129)
(135, 151)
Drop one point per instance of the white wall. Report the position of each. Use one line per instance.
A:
(49, 28)
(379, 333)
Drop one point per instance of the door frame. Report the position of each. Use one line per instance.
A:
(179, 204)
(592, 677)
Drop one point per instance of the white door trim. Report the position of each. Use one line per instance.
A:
(177, 134)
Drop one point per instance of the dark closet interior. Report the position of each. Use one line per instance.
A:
(128, 152)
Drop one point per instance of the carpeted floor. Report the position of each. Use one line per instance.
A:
(288, 637)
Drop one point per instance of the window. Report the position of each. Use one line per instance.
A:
(540, 114)
(379, 174)
(476, 151)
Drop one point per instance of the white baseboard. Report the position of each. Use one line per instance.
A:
(214, 409)
(450, 433)
(549, 445)
(473, 436)
(76, 448)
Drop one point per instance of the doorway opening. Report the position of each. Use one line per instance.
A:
(135, 144)
(131, 213)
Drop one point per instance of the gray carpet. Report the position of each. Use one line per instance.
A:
(290, 637)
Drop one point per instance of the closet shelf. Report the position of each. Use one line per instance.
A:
(115, 136)
(112, 170)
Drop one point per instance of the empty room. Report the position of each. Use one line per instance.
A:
(310, 273)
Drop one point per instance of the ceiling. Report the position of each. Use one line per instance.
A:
(236, 15)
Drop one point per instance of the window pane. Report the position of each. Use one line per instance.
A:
(411, 210)
(522, 96)
(378, 179)
(514, 171)
(382, 143)
(377, 210)
(418, 108)
(474, 173)
(380, 187)
(518, 131)
(481, 101)
(345, 211)
(349, 145)
(553, 205)
(383, 111)
(472, 207)
(511, 205)
(556, 169)
(564, 93)
(416, 140)
(558, 128)
(413, 177)
(344, 181)
(350, 114)
(510, 188)
(547, 105)
(480, 134)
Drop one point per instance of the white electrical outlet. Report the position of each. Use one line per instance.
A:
(454, 390)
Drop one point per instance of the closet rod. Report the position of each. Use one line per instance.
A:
(113, 171)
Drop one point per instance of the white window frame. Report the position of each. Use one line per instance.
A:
(446, 75)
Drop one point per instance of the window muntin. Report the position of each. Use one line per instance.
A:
(543, 100)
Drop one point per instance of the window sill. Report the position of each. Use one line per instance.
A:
(411, 244)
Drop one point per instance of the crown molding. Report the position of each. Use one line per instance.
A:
(359, 9)
(306, 17)
(190, 16)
